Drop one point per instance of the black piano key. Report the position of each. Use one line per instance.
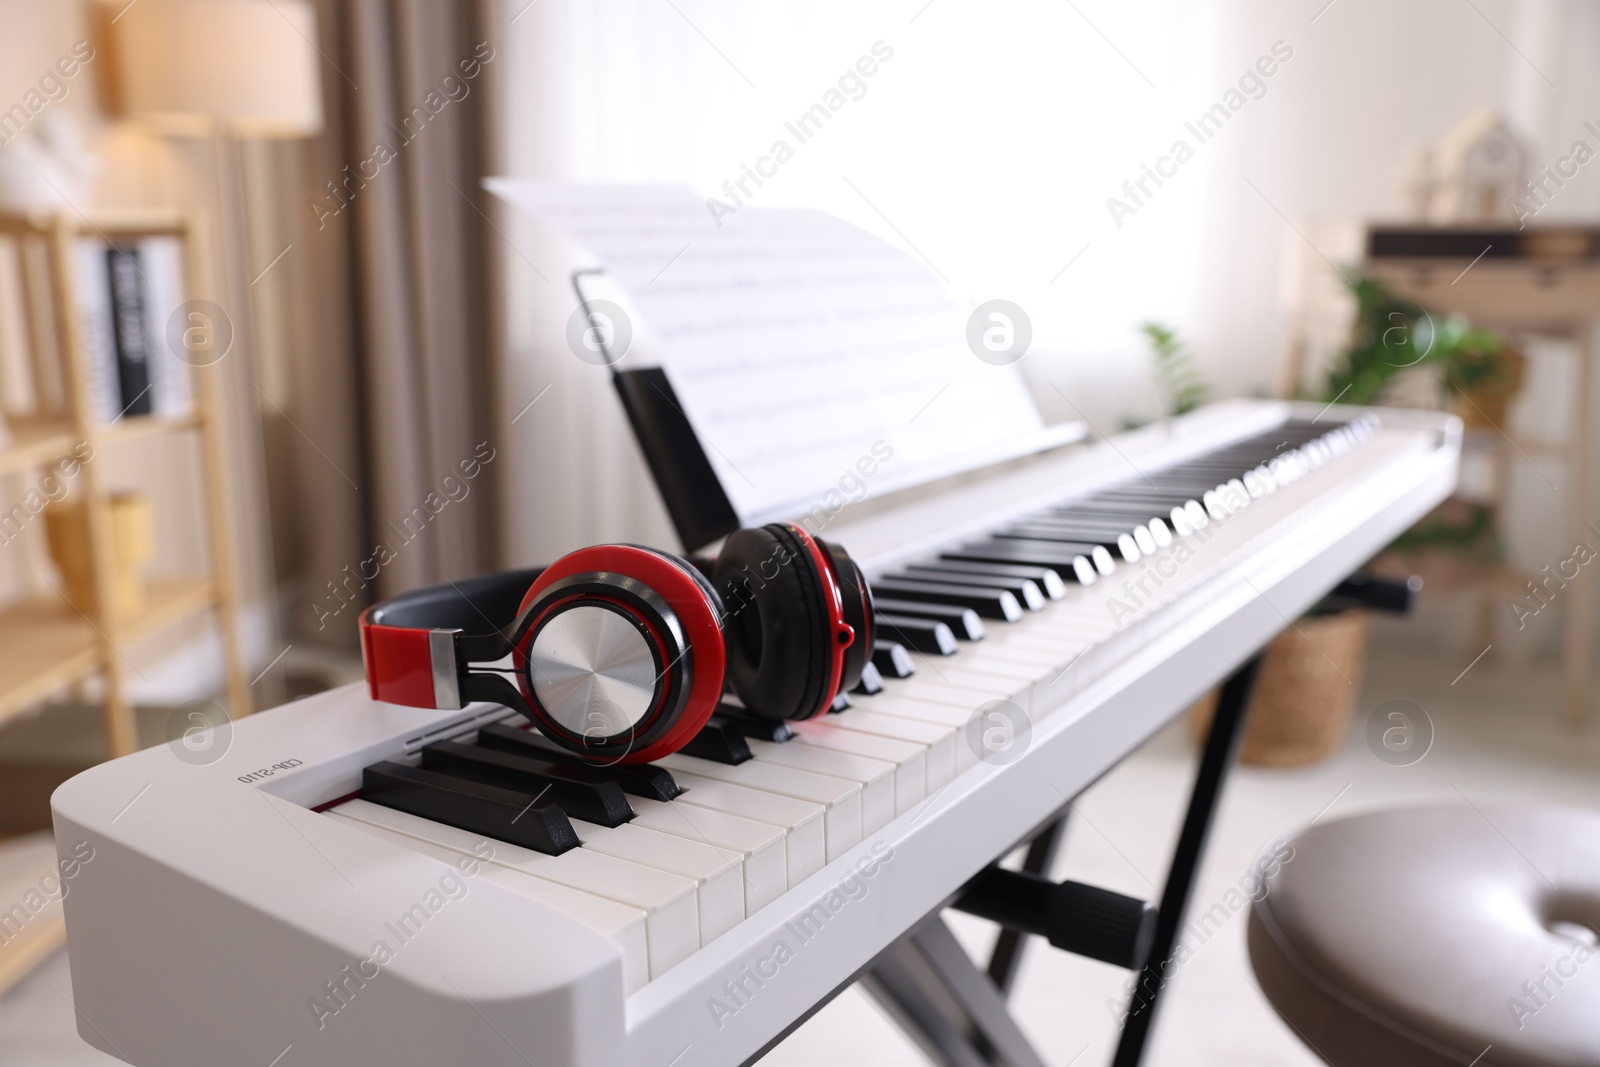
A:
(490, 810)
(1154, 504)
(841, 702)
(892, 659)
(1046, 579)
(871, 683)
(593, 800)
(1165, 512)
(1125, 544)
(1105, 513)
(929, 636)
(1035, 550)
(1099, 531)
(1203, 477)
(963, 622)
(1027, 591)
(640, 779)
(1080, 518)
(719, 742)
(1105, 509)
(1067, 565)
(1146, 528)
(1194, 486)
(1055, 547)
(1147, 497)
(989, 603)
(1233, 461)
(1063, 533)
(757, 726)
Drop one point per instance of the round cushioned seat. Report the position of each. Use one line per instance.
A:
(1436, 936)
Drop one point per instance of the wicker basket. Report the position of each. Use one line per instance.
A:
(1304, 695)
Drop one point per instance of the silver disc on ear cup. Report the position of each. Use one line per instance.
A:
(592, 672)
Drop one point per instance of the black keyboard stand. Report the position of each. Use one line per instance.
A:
(1005, 959)
(1222, 743)
(956, 1013)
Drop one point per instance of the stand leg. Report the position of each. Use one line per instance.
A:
(1580, 606)
(1221, 744)
(935, 993)
(1006, 958)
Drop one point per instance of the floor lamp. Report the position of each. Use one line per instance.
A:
(225, 70)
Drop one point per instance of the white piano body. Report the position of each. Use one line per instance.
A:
(220, 909)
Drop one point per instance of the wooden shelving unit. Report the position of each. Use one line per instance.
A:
(47, 645)
(1544, 280)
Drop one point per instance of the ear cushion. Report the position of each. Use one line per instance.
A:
(858, 611)
(692, 571)
(776, 623)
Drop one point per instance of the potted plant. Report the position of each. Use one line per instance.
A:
(1481, 371)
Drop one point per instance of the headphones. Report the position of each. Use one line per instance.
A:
(620, 653)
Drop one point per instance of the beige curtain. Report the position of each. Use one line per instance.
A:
(388, 389)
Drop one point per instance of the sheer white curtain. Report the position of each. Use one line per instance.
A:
(987, 139)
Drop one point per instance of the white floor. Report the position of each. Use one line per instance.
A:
(1498, 735)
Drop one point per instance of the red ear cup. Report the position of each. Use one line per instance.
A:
(621, 656)
(858, 612)
(784, 621)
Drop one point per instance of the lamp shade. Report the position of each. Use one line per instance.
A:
(190, 65)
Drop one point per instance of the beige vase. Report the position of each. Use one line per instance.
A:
(67, 528)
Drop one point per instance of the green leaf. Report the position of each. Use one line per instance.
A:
(1176, 368)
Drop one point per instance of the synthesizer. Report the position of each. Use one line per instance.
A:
(344, 881)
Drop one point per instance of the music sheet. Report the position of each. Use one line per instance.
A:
(796, 342)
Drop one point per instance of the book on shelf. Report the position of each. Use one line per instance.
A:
(127, 294)
(98, 334)
(128, 327)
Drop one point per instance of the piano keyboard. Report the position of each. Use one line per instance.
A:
(632, 915)
(663, 878)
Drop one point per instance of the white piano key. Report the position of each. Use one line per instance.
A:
(939, 741)
(718, 873)
(947, 715)
(910, 759)
(929, 688)
(1022, 657)
(1051, 624)
(1022, 641)
(805, 836)
(992, 687)
(1018, 656)
(766, 874)
(669, 901)
(1049, 641)
(876, 776)
(624, 926)
(840, 798)
(985, 675)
